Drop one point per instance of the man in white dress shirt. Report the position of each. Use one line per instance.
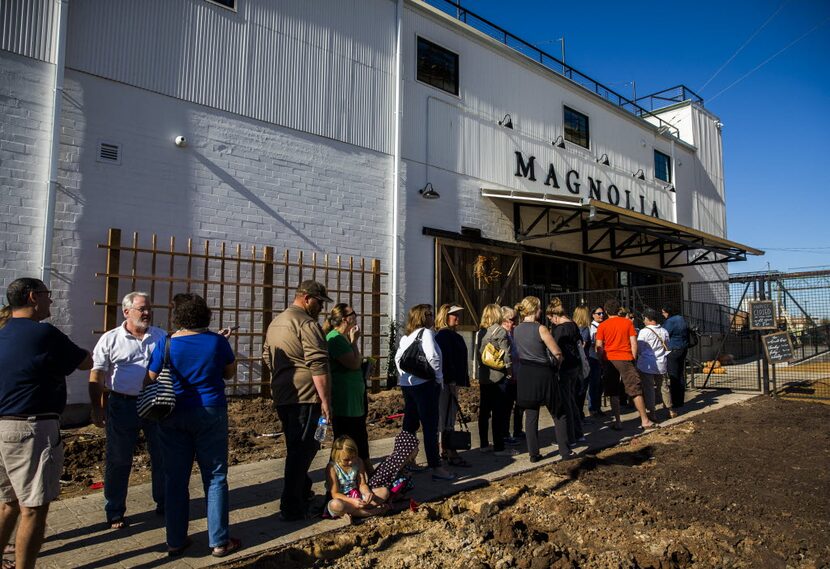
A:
(119, 364)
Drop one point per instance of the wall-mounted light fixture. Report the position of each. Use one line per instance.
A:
(604, 160)
(639, 174)
(506, 122)
(669, 187)
(180, 141)
(559, 142)
(592, 213)
(428, 192)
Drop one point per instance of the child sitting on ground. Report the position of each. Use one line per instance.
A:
(346, 482)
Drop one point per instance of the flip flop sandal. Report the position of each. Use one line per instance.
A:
(232, 546)
(119, 523)
(450, 477)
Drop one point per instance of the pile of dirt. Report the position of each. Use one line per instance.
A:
(739, 487)
(254, 434)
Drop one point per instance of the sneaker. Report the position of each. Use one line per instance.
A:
(506, 452)
(512, 441)
(535, 457)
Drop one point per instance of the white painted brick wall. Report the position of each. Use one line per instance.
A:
(238, 180)
(25, 115)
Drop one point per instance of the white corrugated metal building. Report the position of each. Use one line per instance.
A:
(289, 110)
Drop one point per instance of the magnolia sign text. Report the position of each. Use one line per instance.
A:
(611, 194)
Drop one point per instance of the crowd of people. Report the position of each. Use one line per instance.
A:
(548, 359)
(522, 358)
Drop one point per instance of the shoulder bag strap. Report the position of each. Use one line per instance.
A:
(665, 347)
(166, 361)
(461, 418)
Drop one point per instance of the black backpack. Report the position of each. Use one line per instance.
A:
(694, 336)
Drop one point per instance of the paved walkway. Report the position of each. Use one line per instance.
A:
(76, 536)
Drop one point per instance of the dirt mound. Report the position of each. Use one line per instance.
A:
(739, 487)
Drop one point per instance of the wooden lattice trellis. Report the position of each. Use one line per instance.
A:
(241, 290)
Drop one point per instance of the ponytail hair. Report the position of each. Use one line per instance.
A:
(529, 306)
(336, 317)
(555, 308)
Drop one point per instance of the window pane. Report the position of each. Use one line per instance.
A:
(662, 166)
(227, 3)
(437, 66)
(576, 128)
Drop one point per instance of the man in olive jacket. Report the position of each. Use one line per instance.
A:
(296, 353)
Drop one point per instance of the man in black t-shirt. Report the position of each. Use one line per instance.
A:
(35, 359)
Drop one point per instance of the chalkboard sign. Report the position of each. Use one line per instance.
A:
(778, 347)
(762, 315)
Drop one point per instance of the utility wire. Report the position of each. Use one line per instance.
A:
(770, 58)
(743, 45)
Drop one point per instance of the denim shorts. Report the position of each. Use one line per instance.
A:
(31, 461)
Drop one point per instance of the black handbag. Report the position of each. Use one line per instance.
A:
(457, 440)
(414, 360)
(158, 399)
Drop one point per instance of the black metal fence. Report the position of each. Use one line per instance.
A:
(731, 355)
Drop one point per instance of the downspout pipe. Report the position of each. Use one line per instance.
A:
(57, 102)
(396, 168)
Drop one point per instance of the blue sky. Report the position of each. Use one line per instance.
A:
(776, 120)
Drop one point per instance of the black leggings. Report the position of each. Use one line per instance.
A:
(676, 368)
(493, 403)
(354, 427)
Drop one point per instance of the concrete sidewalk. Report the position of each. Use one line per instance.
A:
(76, 536)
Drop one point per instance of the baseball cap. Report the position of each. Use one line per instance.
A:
(315, 289)
(453, 309)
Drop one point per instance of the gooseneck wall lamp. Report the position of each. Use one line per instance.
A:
(559, 142)
(604, 160)
(639, 174)
(506, 122)
(428, 192)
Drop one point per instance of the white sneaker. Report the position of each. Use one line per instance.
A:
(506, 452)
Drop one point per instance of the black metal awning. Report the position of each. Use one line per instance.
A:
(619, 232)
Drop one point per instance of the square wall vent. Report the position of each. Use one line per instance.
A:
(109, 152)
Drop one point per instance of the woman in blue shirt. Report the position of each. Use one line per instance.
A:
(200, 361)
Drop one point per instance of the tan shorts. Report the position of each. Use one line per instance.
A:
(31, 461)
(630, 377)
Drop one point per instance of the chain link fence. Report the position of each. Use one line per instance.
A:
(731, 355)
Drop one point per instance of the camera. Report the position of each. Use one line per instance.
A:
(181, 141)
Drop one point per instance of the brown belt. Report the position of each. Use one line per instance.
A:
(31, 418)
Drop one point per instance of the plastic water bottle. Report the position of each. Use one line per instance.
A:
(322, 430)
